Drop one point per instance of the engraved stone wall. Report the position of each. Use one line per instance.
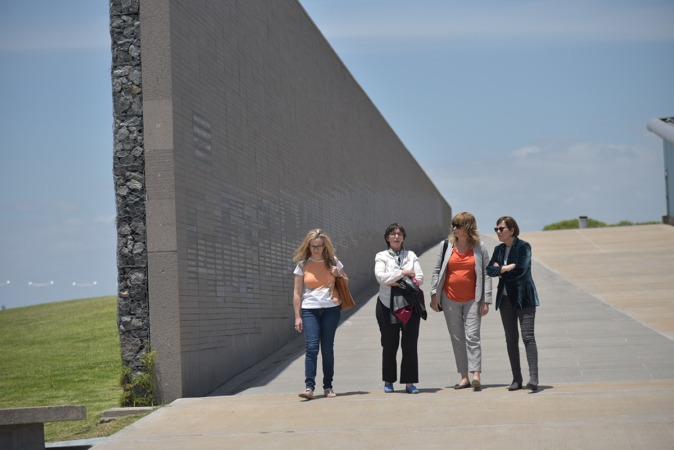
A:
(252, 133)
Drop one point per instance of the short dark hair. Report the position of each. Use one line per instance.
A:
(510, 223)
(390, 229)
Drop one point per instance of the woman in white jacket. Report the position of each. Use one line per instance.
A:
(462, 290)
(389, 267)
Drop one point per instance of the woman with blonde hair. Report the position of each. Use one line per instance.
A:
(316, 303)
(462, 290)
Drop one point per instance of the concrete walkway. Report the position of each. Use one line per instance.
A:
(606, 355)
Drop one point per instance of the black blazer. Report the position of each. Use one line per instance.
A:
(518, 283)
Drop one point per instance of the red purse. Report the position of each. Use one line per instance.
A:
(404, 314)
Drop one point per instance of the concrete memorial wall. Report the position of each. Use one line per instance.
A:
(237, 130)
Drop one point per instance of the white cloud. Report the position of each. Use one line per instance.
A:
(519, 21)
(75, 223)
(57, 247)
(559, 181)
(55, 207)
(524, 151)
(105, 219)
(55, 36)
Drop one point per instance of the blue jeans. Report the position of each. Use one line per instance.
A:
(320, 326)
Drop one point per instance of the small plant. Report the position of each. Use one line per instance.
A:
(562, 225)
(138, 388)
(572, 224)
(622, 223)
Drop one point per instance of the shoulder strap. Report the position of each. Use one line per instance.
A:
(444, 248)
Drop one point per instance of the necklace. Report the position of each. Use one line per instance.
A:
(396, 255)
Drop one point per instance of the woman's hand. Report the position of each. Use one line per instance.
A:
(484, 309)
(435, 304)
(298, 325)
(508, 268)
(335, 272)
(407, 272)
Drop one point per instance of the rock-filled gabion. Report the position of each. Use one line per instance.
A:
(129, 175)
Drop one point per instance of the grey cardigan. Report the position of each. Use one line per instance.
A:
(483, 282)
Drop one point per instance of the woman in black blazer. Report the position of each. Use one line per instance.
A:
(516, 298)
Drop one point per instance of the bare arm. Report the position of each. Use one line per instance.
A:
(298, 292)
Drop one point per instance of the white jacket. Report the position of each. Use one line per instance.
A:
(387, 271)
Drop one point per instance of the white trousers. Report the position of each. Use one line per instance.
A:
(463, 322)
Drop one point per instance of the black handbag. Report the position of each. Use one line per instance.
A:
(405, 298)
(412, 289)
(408, 284)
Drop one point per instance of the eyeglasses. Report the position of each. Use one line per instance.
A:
(500, 229)
(317, 247)
(395, 233)
(456, 225)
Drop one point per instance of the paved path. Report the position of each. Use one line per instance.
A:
(606, 369)
(630, 268)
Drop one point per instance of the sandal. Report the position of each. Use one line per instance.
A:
(308, 394)
(329, 393)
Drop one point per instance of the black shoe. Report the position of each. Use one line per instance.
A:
(461, 386)
(515, 385)
(533, 383)
(477, 386)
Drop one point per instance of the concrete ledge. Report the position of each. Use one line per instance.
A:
(42, 414)
(23, 428)
(116, 413)
(78, 444)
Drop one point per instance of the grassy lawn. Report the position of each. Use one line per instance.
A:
(64, 353)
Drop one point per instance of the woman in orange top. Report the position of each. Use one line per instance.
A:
(464, 295)
(316, 303)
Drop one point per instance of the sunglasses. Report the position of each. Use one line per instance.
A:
(500, 229)
(457, 226)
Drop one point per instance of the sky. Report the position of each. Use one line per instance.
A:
(535, 109)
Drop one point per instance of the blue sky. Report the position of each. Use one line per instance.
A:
(535, 109)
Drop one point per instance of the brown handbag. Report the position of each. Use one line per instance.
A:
(342, 286)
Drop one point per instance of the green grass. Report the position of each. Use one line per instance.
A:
(64, 353)
(572, 224)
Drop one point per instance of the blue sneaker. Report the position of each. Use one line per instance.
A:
(411, 389)
(388, 387)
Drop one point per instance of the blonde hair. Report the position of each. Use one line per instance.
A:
(303, 252)
(469, 225)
